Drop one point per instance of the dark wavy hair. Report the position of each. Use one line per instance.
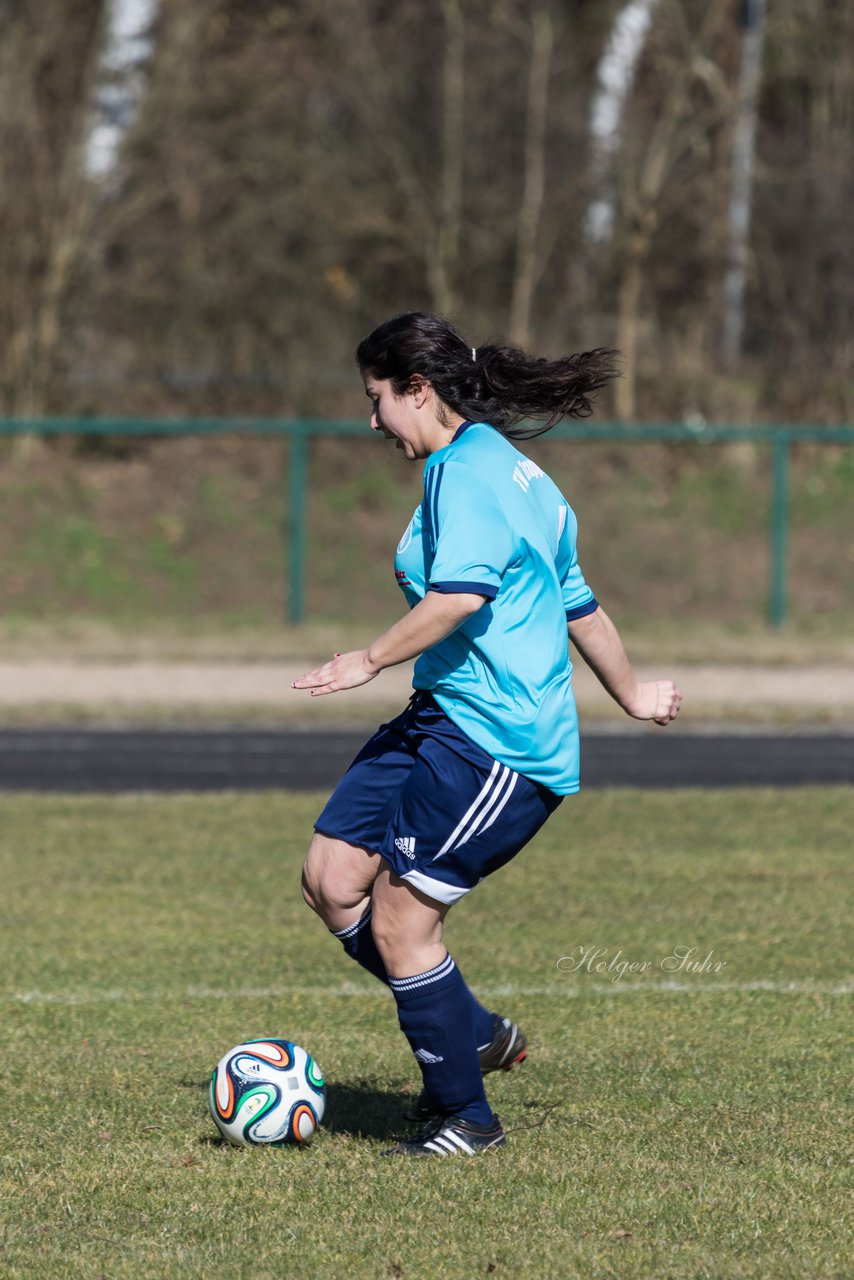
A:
(498, 384)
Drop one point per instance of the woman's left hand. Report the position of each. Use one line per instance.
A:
(344, 671)
(657, 700)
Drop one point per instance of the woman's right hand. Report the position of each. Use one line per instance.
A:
(344, 671)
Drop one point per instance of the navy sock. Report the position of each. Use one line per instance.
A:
(436, 1014)
(484, 1024)
(358, 941)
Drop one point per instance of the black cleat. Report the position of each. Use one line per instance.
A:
(507, 1047)
(451, 1137)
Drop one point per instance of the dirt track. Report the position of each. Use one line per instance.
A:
(741, 725)
(718, 692)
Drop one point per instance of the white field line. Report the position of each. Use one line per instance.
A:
(350, 991)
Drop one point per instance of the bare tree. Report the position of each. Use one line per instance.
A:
(443, 267)
(297, 169)
(534, 175)
(677, 129)
(126, 49)
(428, 177)
(744, 136)
(799, 303)
(615, 77)
(47, 64)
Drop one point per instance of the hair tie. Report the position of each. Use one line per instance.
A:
(474, 355)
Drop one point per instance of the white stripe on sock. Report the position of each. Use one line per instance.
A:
(353, 928)
(423, 979)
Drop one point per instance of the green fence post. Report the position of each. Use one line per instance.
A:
(779, 529)
(297, 496)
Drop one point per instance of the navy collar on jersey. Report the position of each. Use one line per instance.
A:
(464, 426)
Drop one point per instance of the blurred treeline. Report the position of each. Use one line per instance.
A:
(299, 169)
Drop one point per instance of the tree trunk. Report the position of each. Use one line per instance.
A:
(628, 323)
(742, 182)
(530, 211)
(446, 258)
(615, 76)
(661, 150)
(66, 215)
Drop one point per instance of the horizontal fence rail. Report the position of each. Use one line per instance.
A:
(779, 438)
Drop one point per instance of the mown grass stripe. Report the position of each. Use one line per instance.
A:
(348, 992)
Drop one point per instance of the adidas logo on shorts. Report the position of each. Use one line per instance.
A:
(406, 845)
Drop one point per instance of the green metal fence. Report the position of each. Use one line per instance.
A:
(300, 431)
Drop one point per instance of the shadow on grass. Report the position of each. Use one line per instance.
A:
(357, 1108)
(361, 1109)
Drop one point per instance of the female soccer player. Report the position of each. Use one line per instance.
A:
(487, 748)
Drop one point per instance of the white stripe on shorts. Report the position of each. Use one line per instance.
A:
(514, 779)
(489, 795)
(472, 831)
(484, 791)
(438, 890)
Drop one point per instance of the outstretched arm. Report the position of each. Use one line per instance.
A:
(433, 618)
(599, 644)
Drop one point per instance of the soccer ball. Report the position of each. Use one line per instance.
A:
(267, 1093)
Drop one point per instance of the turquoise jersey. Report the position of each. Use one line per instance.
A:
(492, 522)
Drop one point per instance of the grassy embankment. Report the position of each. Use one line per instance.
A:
(188, 534)
(175, 550)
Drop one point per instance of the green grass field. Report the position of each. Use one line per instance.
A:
(666, 1125)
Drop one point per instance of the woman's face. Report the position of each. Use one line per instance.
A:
(410, 420)
(393, 415)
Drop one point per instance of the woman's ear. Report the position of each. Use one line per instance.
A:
(420, 390)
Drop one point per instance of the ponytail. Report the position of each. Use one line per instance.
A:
(498, 384)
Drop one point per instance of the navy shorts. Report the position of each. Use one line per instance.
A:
(437, 807)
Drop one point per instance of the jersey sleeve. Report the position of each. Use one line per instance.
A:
(467, 531)
(578, 599)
